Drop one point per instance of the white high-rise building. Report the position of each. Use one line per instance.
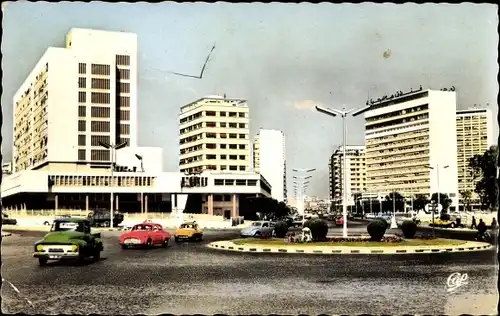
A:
(474, 137)
(75, 97)
(214, 135)
(356, 173)
(269, 160)
(411, 144)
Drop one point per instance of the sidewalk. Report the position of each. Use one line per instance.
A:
(330, 250)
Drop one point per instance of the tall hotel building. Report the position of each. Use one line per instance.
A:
(474, 137)
(214, 135)
(269, 160)
(411, 144)
(74, 98)
(356, 173)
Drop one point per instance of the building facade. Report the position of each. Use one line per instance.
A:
(269, 160)
(6, 168)
(411, 144)
(80, 95)
(356, 173)
(214, 135)
(474, 137)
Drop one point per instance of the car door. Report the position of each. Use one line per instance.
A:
(265, 228)
(158, 234)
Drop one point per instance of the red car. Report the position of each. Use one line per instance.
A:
(339, 221)
(146, 234)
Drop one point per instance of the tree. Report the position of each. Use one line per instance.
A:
(420, 202)
(444, 200)
(388, 204)
(282, 210)
(483, 168)
(466, 198)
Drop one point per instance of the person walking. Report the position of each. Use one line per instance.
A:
(473, 223)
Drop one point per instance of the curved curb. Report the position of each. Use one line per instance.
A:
(329, 250)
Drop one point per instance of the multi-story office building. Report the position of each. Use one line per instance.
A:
(411, 144)
(214, 135)
(7, 168)
(474, 137)
(80, 95)
(269, 160)
(356, 173)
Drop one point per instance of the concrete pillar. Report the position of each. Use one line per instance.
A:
(210, 210)
(87, 203)
(116, 202)
(145, 203)
(57, 202)
(234, 212)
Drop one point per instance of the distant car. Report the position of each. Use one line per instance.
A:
(339, 221)
(188, 231)
(8, 221)
(258, 229)
(69, 238)
(51, 221)
(102, 218)
(146, 234)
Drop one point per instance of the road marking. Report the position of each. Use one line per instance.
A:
(19, 292)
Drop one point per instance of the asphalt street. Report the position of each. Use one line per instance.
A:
(188, 278)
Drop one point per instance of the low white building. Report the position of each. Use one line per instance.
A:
(213, 193)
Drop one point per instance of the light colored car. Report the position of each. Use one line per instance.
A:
(258, 229)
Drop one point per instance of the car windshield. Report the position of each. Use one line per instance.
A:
(191, 226)
(142, 227)
(58, 226)
(257, 224)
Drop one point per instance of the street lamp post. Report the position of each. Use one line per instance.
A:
(343, 113)
(300, 183)
(112, 150)
(142, 191)
(393, 218)
(438, 202)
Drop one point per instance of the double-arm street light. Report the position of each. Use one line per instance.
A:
(437, 168)
(300, 185)
(112, 154)
(343, 113)
(142, 179)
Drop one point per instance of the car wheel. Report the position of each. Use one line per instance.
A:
(46, 223)
(106, 224)
(452, 225)
(42, 261)
(149, 243)
(257, 235)
(165, 243)
(176, 239)
(124, 247)
(200, 238)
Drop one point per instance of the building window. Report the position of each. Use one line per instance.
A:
(242, 136)
(124, 87)
(100, 98)
(98, 83)
(241, 182)
(233, 168)
(223, 167)
(125, 140)
(82, 82)
(123, 60)
(124, 115)
(242, 157)
(82, 140)
(252, 183)
(218, 181)
(223, 146)
(124, 129)
(81, 154)
(82, 68)
(94, 140)
(211, 124)
(222, 124)
(211, 146)
(232, 114)
(100, 111)
(241, 114)
(82, 96)
(123, 74)
(99, 69)
(242, 168)
(209, 113)
(224, 157)
(233, 146)
(82, 126)
(211, 135)
(223, 135)
(232, 135)
(233, 125)
(233, 157)
(99, 155)
(100, 127)
(242, 125)
(124, 102)
(82, 111)
(211, 157)
(242, 146)
(222, 113)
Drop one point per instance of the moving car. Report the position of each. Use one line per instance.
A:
(259, 229)
(339, 221)
(8, 221)
(146, 234)
(69, 238)
(188, 231)
(452, 223)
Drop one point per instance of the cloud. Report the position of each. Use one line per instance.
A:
(306, 104)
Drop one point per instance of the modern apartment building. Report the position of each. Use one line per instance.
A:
(269, 160)
(474, 137)
(411, 144)
(356, 173)
(75, 97)
(214, 135)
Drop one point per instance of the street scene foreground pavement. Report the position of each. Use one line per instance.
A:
(189, 278)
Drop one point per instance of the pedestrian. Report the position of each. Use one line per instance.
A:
(473, 223)
(494, 223)
(481, 229)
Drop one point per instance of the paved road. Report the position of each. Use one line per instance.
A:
(189, 278)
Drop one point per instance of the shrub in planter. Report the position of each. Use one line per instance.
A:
(281, 229)
(377, 229)
(318, 227)
(409, 229)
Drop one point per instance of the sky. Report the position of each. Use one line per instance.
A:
(283, 58)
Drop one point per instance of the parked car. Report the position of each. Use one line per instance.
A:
(146, 234)
(258, 229)
(69, 238)
(339, 221)
(8, 221)
(188, 231)
(102, 218)
(452, 223)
